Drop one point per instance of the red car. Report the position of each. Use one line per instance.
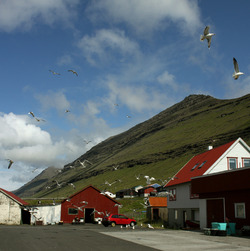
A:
(118, 219)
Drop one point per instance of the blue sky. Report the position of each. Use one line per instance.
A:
(133, 57)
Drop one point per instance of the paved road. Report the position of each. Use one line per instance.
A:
(96, 237)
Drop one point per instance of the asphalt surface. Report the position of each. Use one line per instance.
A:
(97, 237)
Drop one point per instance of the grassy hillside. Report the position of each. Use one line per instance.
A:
(158, 147)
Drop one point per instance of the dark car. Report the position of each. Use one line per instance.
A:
(118, 219)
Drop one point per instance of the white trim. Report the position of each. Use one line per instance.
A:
(239, 140)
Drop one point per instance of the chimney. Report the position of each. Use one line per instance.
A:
(209, 148)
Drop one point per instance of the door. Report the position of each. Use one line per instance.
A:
(184, 217)
(89, 215)
(215, 211)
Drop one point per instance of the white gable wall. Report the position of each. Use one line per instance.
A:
(237, 150)
(10, 211)
(47, 214)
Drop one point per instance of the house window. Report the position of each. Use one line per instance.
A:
(246, 162)
(72, 211)
(172, 194)
(240, 210)
(202, 164)
(195, 166)
(232, 163)
(176, 214)
(192, 195)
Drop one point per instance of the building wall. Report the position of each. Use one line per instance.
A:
(162, 213)
(229, 198)
(182, 197)
(48, 214)
(95, 200)
(239, 151)
(10, 211)
(203, 213)
(183, 208)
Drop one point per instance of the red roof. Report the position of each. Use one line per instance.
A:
(14, 197)
(158, 201)
(87, 187)
(198, 165)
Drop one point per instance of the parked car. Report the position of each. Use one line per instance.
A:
(118, 219)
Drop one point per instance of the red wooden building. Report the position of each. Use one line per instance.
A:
(226, 195)
(88, 203)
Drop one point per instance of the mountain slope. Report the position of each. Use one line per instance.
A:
(37, 184)
(160, 146)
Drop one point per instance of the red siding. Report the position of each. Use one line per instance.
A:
(95, 199)
(232, 186)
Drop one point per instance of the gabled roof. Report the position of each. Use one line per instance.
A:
(13, 197)
(199, 164)
(157, 201)
(90, 186)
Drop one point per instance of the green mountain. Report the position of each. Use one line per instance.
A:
(158, 147)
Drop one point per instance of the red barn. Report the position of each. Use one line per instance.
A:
(88, 203)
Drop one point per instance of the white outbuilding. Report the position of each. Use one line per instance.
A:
(12, 209)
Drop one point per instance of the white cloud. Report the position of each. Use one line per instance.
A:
(137, 98)
(237, 88)
(56, 100)
(168, 79)
(148, 15)
(106, 43)
(29, 146)
(24, 14)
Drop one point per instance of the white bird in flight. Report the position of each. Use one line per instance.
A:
(110, 184)
(54, 73)
(10, 163)
(87, 141)
(59, 184)
(32, 114)
(237, 72)
(207, 35)
(115, 167)
(74, 72)
(149, 179)
(71, 184)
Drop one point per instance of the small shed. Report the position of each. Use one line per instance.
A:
(157, 208)
(148, 190)
(128, 193)
(89, 204)
(12, 209)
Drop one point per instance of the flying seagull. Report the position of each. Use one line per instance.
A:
(10, 163)
(38, 119)
(207, 35)
(32, 114)
(237, 72)
(59, 184)
(110, 184)
(115, 167)
(87, 141)
(74, 72)
(71, 184)
(149, 179)
(54, 73)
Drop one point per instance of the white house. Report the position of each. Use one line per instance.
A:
(12, 209)
(183, 206)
